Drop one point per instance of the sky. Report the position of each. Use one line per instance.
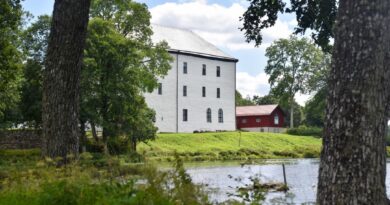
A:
(217, 21)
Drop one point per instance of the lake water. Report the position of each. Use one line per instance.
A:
(221, 178)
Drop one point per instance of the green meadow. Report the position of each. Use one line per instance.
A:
(230, 146)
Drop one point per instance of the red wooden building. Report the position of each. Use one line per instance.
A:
(260, 118)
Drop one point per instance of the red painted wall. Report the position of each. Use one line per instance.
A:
(265, 120)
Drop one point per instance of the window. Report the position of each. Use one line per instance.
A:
(258, 119)
(160, 88)
(185, 115)
(218, 71)
(208, 115)
(184, 90)
(218, 93)
(220, 116)
(203, 91)
(276, 119)
(185, 67)
(243, 121)
(204, 69)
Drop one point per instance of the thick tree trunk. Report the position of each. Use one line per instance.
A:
(61, 78)
(353, 158)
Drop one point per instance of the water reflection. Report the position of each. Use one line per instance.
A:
(219, 178)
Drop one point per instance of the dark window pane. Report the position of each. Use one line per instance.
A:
(218, 92)
(208, 115)
(218, 71)
(185, 115)
(185, 91)
(220, 116)
(204, 69)
(203, 91)
(185, 67)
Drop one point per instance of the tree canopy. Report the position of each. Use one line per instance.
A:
(316, 15)
(10, 56)
(34, 46)
(240, 101)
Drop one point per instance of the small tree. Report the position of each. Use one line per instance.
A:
(121, 63)
(291, 64)
(143, 128)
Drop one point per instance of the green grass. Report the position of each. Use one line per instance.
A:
(228, 146)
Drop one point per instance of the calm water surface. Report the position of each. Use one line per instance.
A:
(301, 178)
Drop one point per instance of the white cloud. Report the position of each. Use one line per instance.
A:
(252, 85)
(216, 23)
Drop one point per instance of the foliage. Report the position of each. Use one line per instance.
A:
(305, 131)
(240, 101)
(314, 110)
(265, 100)
(120, 64)
(318, 16)
(229, 146)
(34, 40)
(10, 63)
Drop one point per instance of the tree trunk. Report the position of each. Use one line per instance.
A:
(134, 144)
(292, 112)
(61, 78)
(353, 159)
(105, 141)
(93, 130)
(83, 137)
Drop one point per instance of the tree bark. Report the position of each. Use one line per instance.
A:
(353, 159)
(292, 112)
(61, 78)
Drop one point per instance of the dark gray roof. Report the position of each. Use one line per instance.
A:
(186, 41)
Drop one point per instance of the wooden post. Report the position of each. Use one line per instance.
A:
(284, 175)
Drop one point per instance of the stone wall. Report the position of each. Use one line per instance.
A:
(20, 139)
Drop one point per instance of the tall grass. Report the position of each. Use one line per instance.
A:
(93, 180)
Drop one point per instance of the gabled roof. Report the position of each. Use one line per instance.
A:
(186, 41)
(255, 110)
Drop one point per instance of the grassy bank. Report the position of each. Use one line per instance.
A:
(230, 146)
(26, 179)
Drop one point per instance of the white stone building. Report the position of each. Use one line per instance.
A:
(199, 91)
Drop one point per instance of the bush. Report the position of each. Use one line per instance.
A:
(118, 145)
(82, 183)
(305, 131)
